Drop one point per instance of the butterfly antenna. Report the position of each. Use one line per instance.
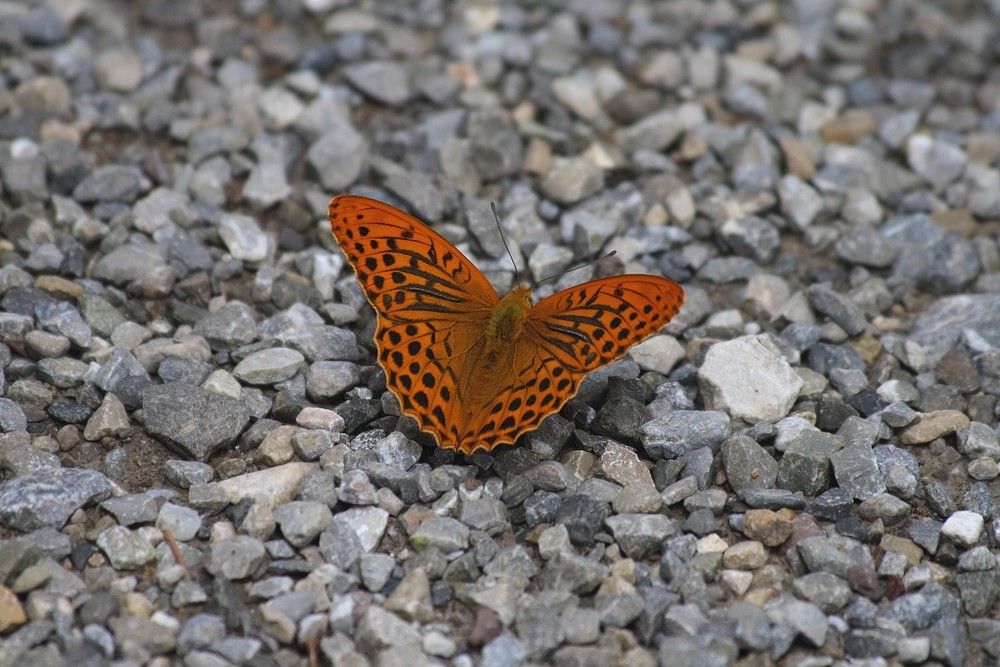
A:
(517, 274)
(575, 268)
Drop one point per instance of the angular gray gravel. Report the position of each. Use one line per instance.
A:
(199, 461)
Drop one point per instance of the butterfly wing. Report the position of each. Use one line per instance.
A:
(590, 325)
(432, 304)
(572, 333)
(408, 271)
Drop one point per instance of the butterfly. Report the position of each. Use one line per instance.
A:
(474, 369)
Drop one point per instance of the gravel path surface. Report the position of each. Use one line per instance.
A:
(200, 464)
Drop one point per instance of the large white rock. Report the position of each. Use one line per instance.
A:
(963, 528)
(748, 378)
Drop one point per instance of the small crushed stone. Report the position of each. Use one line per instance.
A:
(199, 461)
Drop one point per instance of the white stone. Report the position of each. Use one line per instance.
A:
(711, 544)
(736, 581)
(267, 367)
(578, 94)
(553, 541)
(266, 185)
(279, 107)
(222, 382)
(938, 162)
(243, 237)
(439, 645)
(182, 522)
(963, 527)
(368, 523)
(913, 650)
(272, 486)
(681, 206)
(320, 418)
(747, 378)
(768, 292)
(659, 353)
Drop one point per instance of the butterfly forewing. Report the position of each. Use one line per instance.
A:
(590, 325)
(408, 271)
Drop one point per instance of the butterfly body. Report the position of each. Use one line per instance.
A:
(474, 369)
(506, 323)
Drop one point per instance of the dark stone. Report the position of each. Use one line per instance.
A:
(583, 517)
(866, 403)
(620, 418)
(832, 505)
(939, 498)
(541, 507)
(68, 412)
(852, 527)
(357, 412)
(979, 591)
(46, 498)
(831, 412)
(824, 357)
(190, 371)
(979, 499)
(701, 522)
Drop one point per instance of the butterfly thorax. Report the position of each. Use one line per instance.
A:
(506, 324)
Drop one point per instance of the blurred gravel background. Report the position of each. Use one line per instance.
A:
(200, 465)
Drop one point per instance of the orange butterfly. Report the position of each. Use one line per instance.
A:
(475, 370)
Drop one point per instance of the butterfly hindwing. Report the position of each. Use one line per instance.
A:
(421, 361)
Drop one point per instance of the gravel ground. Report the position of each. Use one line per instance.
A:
(201, 465)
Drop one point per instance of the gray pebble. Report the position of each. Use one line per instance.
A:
(356, 489)
(112, 183)
(194, 421)
(236, 557)
(43, 26)
(229, 327)
(748, 465)
(885, 507)
(640, 535)
(856, 471)
(132, 509)
(125, 549)
(47, 497)
(11, 417)
(486, 514)
(329, 379)
(128, 263)
(387, 81)
(270, 366)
